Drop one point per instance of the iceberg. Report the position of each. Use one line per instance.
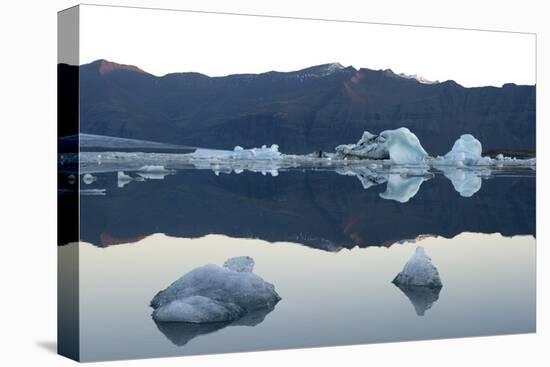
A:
(465, 151)
(419, 272)
(400, 146)
(404, 146)
(210, 294)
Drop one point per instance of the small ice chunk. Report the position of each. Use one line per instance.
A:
(419, 271)
(122, 179)
(88, 179)
(240, 264)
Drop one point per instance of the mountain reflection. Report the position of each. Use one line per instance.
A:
(319, 208)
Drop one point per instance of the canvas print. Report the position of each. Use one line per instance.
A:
(233, 183)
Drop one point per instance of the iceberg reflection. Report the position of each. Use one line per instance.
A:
(422, 298)
(180, 333)
(402, 189)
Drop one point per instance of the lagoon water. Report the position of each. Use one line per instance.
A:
(329, 246)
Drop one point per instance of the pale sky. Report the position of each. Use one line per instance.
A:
(162, 42)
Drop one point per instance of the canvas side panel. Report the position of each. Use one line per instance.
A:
(68, 183)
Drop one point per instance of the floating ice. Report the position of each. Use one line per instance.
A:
(401, 146)
(419, 271)
(214, 294)
(465, 151)
(88, 179)
(263, 153)
(122, 179)
(404, 146)
(370, 146)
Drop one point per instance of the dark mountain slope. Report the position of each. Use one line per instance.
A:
(311, 109)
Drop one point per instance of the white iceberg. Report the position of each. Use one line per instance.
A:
(402, 188)
(419, 271)
(465, 151)
(215, 294)
(401, 146)
(404, 146)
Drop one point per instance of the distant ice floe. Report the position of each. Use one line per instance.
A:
(210, 294)
(395, 157)
(263, 153)
(467, 151)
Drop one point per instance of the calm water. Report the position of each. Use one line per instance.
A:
(330, 247)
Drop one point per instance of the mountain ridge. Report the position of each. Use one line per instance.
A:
(307, 110)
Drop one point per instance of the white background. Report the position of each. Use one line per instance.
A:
(162, 42)
(28, 179)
